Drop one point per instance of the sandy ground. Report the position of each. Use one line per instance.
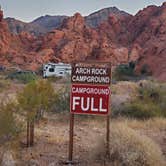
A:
(52, 141)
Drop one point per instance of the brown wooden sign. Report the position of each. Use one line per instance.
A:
(91, 74)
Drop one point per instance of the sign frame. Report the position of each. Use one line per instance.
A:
(71, 127)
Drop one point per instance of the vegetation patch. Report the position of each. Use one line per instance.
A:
(124, 72)
(23, 76)
(129, 148)
(62, 100)
(4, 84)
(149, 102)
(9, 126)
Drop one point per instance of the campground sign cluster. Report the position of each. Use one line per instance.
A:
(90, 90)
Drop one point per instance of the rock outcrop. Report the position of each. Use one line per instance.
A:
(150, 36)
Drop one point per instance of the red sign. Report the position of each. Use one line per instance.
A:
(89, 99)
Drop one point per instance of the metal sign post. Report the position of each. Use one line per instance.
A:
(90, 94)
(108, 136)
(71, 138)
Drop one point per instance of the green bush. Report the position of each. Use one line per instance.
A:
(23, 77)
(62, 100)
(150, 102)
(123, 72)
(36, 97)
(4, 84)
(141, 110)
(9, 126)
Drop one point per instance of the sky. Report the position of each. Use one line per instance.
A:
(28, 10)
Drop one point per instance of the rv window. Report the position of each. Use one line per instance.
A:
(51, 69)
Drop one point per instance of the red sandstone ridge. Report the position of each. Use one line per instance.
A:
(16, 50)
(151, 39)
(119, 39)
(76, 41)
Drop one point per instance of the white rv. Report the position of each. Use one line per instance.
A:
(56, 69)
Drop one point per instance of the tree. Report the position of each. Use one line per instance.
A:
(35, 98)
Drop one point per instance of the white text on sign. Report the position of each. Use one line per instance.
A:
(89, 99)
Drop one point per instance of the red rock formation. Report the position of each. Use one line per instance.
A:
(120, 39)
(152, 39)
(75, 41)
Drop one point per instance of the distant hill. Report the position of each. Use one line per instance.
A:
(96, 18)
(47, 23)
(39, 26)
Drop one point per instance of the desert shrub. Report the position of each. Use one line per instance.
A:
(4, 84)
(62, 100)
(123, 72)
(129, 148)
(9, 126)
(23, 77)
(150, 102)
(36, 97)
(141, 110)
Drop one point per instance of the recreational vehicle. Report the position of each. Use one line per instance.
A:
(56, 69)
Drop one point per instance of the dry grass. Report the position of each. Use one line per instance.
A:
(123, 87)
(154, 123)
(130, 148)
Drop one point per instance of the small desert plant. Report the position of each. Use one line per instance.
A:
(4, 84)
(62, 100)
(8, 123)
(129, 148)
